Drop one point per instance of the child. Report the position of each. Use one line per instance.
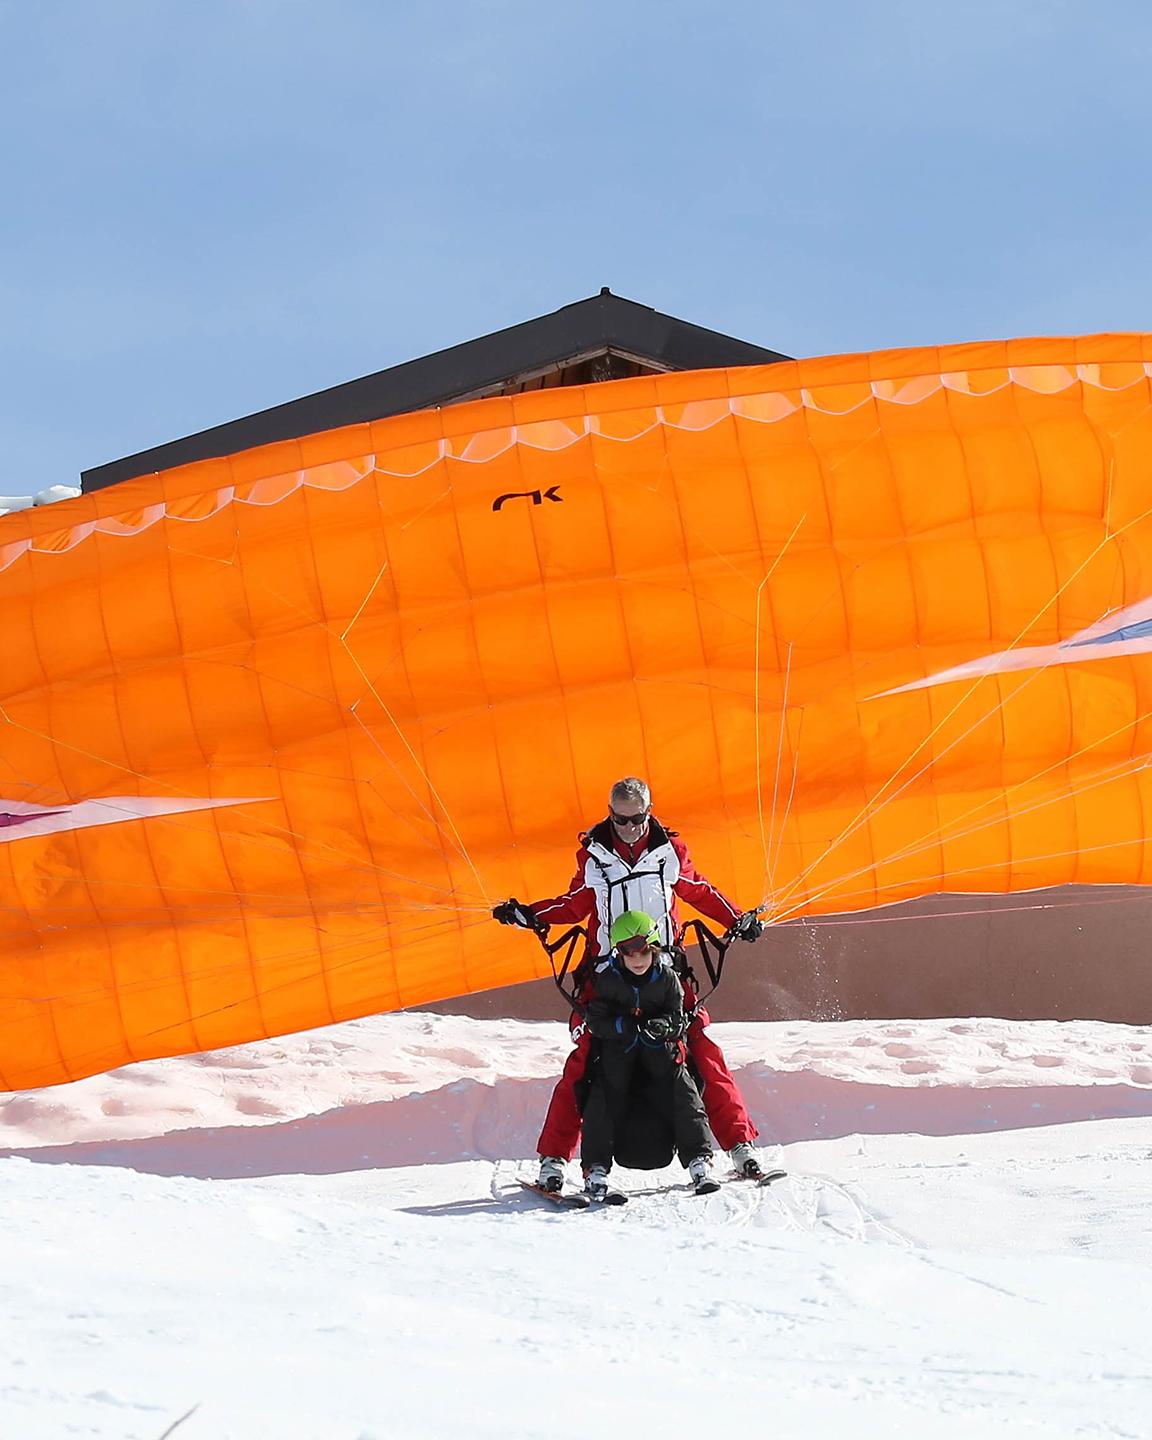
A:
(637, 1014)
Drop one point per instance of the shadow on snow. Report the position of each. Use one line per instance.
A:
(468, 1120)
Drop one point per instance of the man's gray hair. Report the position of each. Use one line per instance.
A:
(630, 788)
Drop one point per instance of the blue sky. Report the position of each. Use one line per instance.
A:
(211, 207)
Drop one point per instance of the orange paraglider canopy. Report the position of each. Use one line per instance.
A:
(278, 729)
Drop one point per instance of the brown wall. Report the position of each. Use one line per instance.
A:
(1075, 953)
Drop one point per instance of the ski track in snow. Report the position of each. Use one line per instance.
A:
(323, 1238)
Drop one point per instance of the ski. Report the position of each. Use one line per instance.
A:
(578, 1200)
(572, 1200)
(768, 1178)
(711, 1185)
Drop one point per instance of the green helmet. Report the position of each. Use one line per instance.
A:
(633, 925)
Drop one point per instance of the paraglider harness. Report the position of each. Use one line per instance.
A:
(561, 953)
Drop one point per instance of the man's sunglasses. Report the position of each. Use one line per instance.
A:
(635, 946)
(625, 820)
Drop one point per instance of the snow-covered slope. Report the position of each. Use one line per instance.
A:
(322, 1238)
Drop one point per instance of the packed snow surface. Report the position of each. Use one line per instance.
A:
(322, 1238)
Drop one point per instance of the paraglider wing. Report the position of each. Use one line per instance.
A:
(276, 731)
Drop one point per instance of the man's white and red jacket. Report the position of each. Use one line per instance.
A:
(651, 875)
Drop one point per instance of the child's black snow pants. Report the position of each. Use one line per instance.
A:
(642, 1072)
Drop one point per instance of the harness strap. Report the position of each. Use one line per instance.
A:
(713, 952)
(565, 946)
(634, 876)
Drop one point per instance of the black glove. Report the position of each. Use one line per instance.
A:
(748, 927)
(662, 1027)
(511, 912)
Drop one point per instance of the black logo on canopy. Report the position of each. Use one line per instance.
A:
(536, 496)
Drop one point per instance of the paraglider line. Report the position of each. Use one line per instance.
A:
(1117, 772)
(798, 915)
(833, 922)
(204, 915)
(871, 808)
(1122, 767)
(769, 868)
(930, 839)
(364, 602)
(262, 964)
(304, 847)
(459, 843)
(779, 845)
(758, 627)
(328, 629)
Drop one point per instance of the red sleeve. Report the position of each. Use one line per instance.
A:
(701, 894)
(577, 904)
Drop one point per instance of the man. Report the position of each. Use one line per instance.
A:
(629, 861)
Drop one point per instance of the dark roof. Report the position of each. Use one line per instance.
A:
(602, 338)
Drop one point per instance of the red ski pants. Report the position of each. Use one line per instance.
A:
(727, 1114)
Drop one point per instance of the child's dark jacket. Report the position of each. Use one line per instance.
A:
(622, 1002)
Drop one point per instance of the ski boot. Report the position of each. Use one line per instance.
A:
(596, 1183)
(746, 1162)
(700, 1172)
(551, 1177)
